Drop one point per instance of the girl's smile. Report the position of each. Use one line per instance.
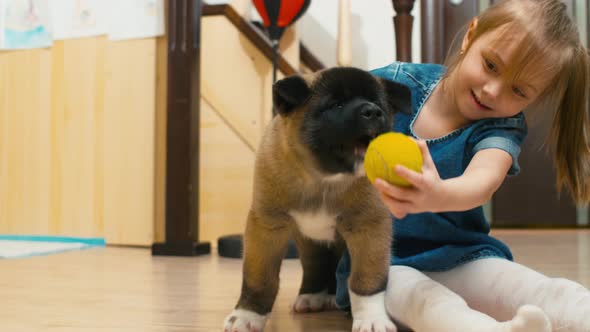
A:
(478, 103)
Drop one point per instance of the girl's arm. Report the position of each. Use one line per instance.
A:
(481, 179)
(430, 193)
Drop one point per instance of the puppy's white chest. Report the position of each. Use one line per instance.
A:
(317, 225)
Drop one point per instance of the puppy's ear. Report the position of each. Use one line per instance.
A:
(289, 93)
(398, 96)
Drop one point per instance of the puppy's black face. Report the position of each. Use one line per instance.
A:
(345, 108)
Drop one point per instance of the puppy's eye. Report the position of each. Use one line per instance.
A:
(331, 107)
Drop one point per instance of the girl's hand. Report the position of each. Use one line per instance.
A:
(425, 195)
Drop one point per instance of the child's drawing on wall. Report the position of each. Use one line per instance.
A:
(78, 18)
(150, 8)
(24, 24)
(85, 16)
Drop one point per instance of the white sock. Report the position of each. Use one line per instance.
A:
(528, 318)
(424, 305)
(500, 287)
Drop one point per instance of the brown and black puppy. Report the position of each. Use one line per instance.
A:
(309, 185)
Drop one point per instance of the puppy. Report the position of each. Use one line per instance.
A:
(309, 185)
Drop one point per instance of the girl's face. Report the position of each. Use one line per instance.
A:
(480, 89)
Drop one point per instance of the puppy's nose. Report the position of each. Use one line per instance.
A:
(371, 112)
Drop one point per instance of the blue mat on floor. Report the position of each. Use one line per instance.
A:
(18, 246)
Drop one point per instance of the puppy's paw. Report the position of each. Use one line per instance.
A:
(314, 302)
(369, 313)
(373, 324)
(241, 320)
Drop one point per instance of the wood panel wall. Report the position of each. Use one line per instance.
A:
(77, 136)
(83, 128)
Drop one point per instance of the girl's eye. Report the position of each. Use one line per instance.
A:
(518, 92)
(336, 105)
(489, 65)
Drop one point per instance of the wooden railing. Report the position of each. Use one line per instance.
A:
(254, 35)
(257, 36)
(403, 21)
(308, 59)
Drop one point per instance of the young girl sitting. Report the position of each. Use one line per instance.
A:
(447, 273)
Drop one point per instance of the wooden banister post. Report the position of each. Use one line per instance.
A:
(402, 22)
(344, 34)
(182, 133)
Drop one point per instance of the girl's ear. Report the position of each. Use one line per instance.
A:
(468, 35)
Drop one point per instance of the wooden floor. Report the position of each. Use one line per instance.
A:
(126, 289)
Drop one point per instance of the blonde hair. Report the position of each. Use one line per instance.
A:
(550, 48)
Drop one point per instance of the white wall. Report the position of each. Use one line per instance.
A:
(373, 38)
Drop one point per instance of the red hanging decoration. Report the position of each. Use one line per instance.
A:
(279, 14)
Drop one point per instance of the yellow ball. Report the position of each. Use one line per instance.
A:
(388, 150)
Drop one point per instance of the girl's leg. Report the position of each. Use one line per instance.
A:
(424, 305)
(499, 287)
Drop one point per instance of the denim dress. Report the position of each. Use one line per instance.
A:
(442, 241)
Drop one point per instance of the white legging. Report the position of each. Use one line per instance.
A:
(486, 295)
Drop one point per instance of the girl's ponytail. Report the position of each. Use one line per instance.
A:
(570, 131)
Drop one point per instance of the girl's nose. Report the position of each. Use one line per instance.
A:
(492, 88)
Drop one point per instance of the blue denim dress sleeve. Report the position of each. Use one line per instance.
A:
(505, 134)
(442, 241)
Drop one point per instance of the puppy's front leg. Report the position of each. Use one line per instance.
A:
(265, 244)
(318, 286)
(369, 249)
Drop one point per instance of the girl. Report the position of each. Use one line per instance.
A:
(447, 273)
